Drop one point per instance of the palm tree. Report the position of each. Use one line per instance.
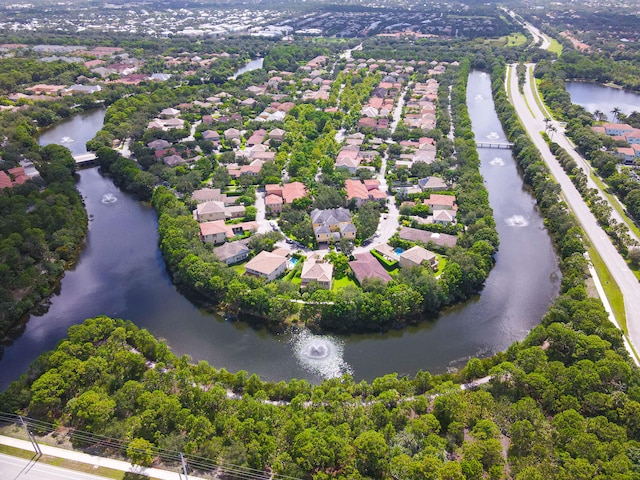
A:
(599, 116)
(552, 129)
(616, 113)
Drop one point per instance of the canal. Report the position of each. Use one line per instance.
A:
(120, 273)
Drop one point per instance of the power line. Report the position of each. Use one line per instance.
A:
(194, 462)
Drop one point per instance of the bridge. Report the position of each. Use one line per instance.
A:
(503, 145)
(85, 160)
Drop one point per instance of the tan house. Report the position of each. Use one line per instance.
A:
(332, 223)
(209, 212)
(441, 202)
(267, 265)
(217, 232)
(273, 203)
(232, 252)
(314, 271)
(417, 256)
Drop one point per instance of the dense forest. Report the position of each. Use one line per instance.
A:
(43, 223)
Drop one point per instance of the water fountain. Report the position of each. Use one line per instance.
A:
(493, 136)
(497, 162)
(516, 221)
(109, 198)
(67, 140)
(320, 354)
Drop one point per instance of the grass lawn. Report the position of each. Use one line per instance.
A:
(442, 262)
(342, 283)
(516, 40)
(239, 269)
(611, 289)
(555, 47)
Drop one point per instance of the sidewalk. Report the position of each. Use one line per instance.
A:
(94, 460)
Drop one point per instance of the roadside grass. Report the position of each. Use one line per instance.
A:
(615, 203)
(536, 94)
(508, 84)
(72, 465)
(611, 289)
(555, 47)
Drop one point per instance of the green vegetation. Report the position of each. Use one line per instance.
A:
(611, 289)
(555, 47)
(43, 223)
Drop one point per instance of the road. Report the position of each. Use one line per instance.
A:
(538, 37)
(559, 137)
(532, 119)
(21, 468)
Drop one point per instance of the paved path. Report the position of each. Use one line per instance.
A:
(93, 460)
(533, 121)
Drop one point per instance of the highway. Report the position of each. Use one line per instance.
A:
(20, 468)
(532, 118)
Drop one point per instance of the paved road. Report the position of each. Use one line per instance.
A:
(20, 468)
(538, 37)
(88, 459)
(533, 121)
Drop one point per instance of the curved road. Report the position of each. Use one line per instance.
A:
(532, 119)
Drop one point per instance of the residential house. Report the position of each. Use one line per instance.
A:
(417, 256)
(441, 202)
(277, 134)
(211, 135)
(173, 160)
(232, 252)
(159, 144)
(211, 194)
(363, 191)
(617, 129)
(432, 183)
(217, 232)
(257, 137)
(209, 211)
(267, 265)
(273, 203)
(367, 266)
(169, 113)
(424, 236)
(627, 155)
(80, 89)
(320, 272)
(232, 134)
(443, 217)
(332, 223)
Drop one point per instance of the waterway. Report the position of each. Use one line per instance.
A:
(594, 96)
(120, 273)
(254, 64)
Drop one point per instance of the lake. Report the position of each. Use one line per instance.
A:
(593, 96)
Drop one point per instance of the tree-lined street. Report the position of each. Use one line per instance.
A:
(532, 119)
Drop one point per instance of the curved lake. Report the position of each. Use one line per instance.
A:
(120, 273)
(593, 96)
(254, 64)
